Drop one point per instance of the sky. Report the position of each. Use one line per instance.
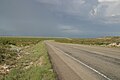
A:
(60, 18)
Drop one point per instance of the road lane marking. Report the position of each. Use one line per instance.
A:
(99, 53)
(88, 67)
(83, 64)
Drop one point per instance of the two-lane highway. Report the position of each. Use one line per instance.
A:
(82, 62)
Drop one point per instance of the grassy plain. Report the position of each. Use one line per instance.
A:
(91, 41)
(24, 59)
(27, 58)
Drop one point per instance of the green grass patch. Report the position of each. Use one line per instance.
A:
(33, 66)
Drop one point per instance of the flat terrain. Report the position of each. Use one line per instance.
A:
(83, 62)
(24, 59)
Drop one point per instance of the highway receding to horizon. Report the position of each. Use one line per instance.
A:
(84, 62)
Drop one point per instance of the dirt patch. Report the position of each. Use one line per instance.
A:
(40, 61)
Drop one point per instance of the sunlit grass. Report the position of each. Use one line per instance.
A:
(36, 71)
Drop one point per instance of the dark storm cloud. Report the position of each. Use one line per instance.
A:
(64, 18)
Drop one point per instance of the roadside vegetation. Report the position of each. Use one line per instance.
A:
(24, 59)
(27, 58)
(105, 41)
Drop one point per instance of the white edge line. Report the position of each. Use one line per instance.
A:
(84, 64)
(88, 67)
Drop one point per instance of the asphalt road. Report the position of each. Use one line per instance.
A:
(83, 62)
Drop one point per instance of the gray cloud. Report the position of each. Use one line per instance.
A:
(68, 18)
(108, 10)
(71, 7)
(65, 29)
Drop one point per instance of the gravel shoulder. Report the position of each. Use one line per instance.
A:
(63, 71)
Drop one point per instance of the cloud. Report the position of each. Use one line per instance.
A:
(99, 11)
(107, 0)
(104, 10)
(52, 2)
(76, 17)
(69, 29)
(108, 10)
(71, 7)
